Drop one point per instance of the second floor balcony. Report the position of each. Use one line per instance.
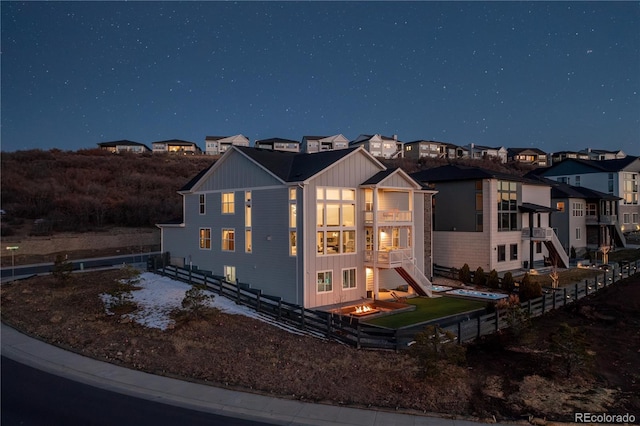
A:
(537, 234)
(388, 216)
(601, 220)
(387, 258)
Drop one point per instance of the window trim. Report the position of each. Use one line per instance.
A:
(223, 240)
(330, 272)
(228, 206)
(355, 279)
(202, 201)
(202, 239)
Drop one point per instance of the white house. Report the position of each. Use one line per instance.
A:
(216, 145)
(491, 220)
(311, 144)
(617, 177)
(314, 229)
(380, 146)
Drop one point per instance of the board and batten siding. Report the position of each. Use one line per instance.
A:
(237, 172)
(350, 172)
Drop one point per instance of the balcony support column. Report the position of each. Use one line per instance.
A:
(530, 240)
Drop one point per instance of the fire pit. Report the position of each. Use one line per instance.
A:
(363, 310)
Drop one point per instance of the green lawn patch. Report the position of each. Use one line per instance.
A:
(428, 309)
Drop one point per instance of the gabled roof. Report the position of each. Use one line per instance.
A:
(515, 151)
(454, 172)
(286, 166)
(178, 142)
(382, 175)
(564, 190)
(592, 166)
(276, 140)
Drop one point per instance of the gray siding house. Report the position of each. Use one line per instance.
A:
(315, 229)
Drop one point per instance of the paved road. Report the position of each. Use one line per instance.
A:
(7, 273)
(34, 397)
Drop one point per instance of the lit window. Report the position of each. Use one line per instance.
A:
(507, 206)
(247, 240)
(293, 243)
(205, 238)
(292, 215)
(560, 206)
(228, 240)
(228, 203)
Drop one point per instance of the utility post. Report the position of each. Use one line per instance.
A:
(13, 249)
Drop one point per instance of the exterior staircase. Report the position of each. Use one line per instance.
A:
(414, 277)
(556, 252)
(618, 236)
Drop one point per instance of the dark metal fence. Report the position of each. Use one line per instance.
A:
(352, 331)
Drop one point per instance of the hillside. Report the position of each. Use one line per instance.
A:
(45, 192)
(55, 191)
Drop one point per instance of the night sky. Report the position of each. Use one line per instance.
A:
(557, 75)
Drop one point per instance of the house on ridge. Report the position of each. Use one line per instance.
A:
(314, 229)
(380, 146)
(124, 145)
(490, 219)
(278, 144)
(216, 145)
(176, 146)
(311, 144)
(532, 156)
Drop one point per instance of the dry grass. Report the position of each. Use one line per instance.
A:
(242, 353)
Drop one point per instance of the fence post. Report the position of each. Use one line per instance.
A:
(576, 291)
(586, 287)
(544, 301)
(497, 319)
(564, 291)
(258, 300)
(529, 306)
(190, 283)
(478, 334)
(554, 299)
(329, 318)
(237, 293)
(459, 332)
(358, 334)
(302, 317)
(279, 309)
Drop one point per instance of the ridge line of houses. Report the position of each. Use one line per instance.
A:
(378, 145)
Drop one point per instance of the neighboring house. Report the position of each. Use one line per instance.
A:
(380, 146)
(216, 145)
(585, 218)
(429, 149)
(311, 144)
(603, 154)
(532, 156)
(124, 146)
(559, 156)
(176, 146)
(616, 177)
(489, 219)
(478, 152)
(278, 144)
(314, 229)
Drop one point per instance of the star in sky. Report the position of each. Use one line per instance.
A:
(554, 75)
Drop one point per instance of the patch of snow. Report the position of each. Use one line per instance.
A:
(159, 295)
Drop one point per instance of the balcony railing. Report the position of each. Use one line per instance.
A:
(391, 258)
(389, 216)
(538, 234)
(602, 220)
